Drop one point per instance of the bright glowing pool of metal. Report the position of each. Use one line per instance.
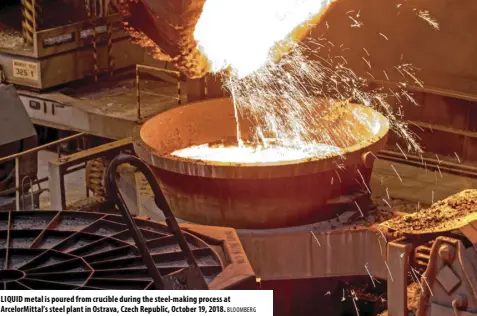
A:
(250, 188)
(257, 154)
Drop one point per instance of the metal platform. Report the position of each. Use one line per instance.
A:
(107, 108)
(64, 54)
(73, 250)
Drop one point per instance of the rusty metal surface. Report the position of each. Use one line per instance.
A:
(449, 283)
(326, 249)
(70, 250)
(444, 56)
(246, 195)
(165, 28)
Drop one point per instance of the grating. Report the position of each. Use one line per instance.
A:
(67, 250)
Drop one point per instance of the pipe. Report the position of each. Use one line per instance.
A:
(114, 193)
(37, 149)
(414, 160)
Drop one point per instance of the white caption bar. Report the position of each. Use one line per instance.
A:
(85, 303)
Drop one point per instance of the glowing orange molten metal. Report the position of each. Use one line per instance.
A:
(246, 34)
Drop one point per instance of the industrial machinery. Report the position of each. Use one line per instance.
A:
(362, 35)
(42, 48)
(336, 233)
(257, 195)
(306, 227)
(17, 135)
(331, 234)
(66, 250)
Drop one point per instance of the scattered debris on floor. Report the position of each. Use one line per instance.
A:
(447, 214)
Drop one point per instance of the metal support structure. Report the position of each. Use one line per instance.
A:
(58, 168)
(110, 39)
(57, 187)
(176, 74)
(23, 193)
(17, 183)
(16, 157)
(29, 23)
(138, 94)
(429, 163)
(398, 261)
(95, 52)
(90, 12)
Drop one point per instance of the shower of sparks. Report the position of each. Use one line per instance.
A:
(300, 99)
(355, 306)
(427, 284)
(382, 234)
(424, 278)
(367, 62)
(316, 239)
(359, 208)
(426, 17)
(406, 68)
(356, 23)
(387, 203)
(369, 273)
(422, 159)
(457, 156)
(339, 178)
(287, 90)
(364, 182)
(389, 271)
(384, 36)
(373, 280)
(416, 273)
(400, 179)
(402, 151)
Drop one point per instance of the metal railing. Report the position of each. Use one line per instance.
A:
(18, 182)
(176, 74)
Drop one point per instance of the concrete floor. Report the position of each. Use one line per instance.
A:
(416, 184)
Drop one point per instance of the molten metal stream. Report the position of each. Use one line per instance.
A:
(245, 35)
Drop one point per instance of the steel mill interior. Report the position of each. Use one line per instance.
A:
(326, 150)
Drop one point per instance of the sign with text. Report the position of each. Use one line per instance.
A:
(88, 303)
(25, 70)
